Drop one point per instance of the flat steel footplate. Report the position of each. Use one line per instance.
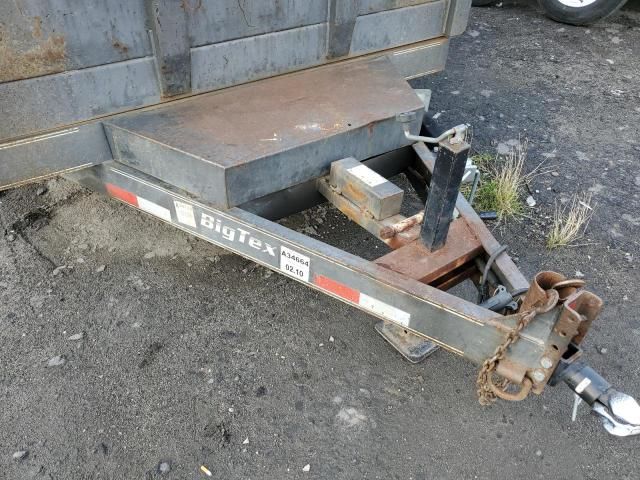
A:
(411, 346)
(239, 144)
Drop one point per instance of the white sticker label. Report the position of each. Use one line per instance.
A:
(367, 175)
(294, 264)
(185, 215)
(582, 385)
(154, 209)
(385, 310)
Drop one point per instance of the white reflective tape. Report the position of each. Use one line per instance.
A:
(583, 384)
(367, 175)
(294, 264)
(184, 213)
(154, 209)
(385, 310)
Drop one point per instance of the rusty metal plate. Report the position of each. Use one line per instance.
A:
(243, 143)
(416, 261)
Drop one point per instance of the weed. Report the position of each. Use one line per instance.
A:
(483, 161)
(504, 180)
(570, 221)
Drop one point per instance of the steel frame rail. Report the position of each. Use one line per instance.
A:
(457, 325)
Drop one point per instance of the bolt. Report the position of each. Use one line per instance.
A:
(546, 362)
(539, 376)
(406, 117)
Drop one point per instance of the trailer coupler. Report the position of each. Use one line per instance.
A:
(619, 412)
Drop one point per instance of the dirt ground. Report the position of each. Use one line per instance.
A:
(150, 347)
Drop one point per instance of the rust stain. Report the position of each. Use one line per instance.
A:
(416, 261)
(37, 27)
(186, 5)
(391, 230)
(120, 46)
(403, 238)
(47, 57)
(352, 192)
(370, 128)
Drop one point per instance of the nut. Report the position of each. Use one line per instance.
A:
(539, 376)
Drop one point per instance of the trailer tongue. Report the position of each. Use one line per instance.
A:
(224, 165)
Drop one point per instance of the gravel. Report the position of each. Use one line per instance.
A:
(20, 455)
(164, 468)
(56, 361)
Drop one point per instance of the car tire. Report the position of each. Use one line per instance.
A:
(482, 3)
(579, 12)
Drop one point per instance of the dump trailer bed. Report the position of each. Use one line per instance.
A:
(65, 64)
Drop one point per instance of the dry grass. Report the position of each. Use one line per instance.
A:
(570, 221)
(510, 180)
(506, 178)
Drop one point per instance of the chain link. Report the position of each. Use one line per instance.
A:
(486, 387)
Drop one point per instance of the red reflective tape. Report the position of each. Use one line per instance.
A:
(337, 288)
(122, 194)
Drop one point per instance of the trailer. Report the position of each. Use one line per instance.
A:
(220, 117)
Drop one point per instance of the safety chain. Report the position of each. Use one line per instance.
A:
(488, 392)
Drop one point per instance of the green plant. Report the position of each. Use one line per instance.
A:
(503, 181)
(483, 161)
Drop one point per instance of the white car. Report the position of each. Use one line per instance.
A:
(574, 12)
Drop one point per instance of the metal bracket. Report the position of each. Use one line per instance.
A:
(411, 346)
(472, 176)
(170, 42)
(342, 21)
(424, 94)
(366, 188)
